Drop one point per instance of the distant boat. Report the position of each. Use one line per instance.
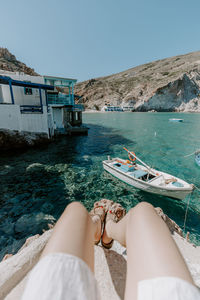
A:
(197, 157)
(175, 120)
(112, 108)
(147, 179)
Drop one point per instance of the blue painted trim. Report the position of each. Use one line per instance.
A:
(41, 99)
(46, 99)
(30, 108)
(11, 92)
(7, 80)
(72, 93)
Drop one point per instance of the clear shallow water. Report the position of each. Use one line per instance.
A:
(37, 184)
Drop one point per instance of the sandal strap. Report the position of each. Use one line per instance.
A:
(107, 245)
(100, 215)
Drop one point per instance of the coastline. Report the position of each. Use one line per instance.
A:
(171, 112)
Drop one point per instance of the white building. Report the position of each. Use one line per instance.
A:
(37, 104)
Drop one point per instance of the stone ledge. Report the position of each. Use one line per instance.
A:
(15, 268)
(110, 267)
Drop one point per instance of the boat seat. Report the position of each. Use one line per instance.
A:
(138, 173)
(124, 168)
(177, 184)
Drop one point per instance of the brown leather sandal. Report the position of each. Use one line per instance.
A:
(115, 214)
(105, 203)
(100, 212)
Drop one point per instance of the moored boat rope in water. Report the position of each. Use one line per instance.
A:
(196, 188)
(189, 198)
(195, 152)
(185, 219)
(189, 154)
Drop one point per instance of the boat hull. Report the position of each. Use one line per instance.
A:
(177, 193)
(197, 159)
(176, 120)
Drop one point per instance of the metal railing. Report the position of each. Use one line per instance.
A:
(75, 107)
(60, 99)
(31, 109)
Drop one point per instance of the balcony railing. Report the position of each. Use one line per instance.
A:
(31, 109)
(60, 99)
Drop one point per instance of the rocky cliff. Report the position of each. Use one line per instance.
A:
(9, 62)
(171, 84)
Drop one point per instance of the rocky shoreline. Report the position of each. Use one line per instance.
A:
(13, 139)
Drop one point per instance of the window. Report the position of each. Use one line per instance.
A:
(51, 82)
(28, 91)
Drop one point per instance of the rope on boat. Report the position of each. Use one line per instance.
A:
(187, 207)
(197, 188)
(189, 154)
(195, 152)
(185, 219)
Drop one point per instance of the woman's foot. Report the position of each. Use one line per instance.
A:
(105, 203)
(98, 216)
(114, 214)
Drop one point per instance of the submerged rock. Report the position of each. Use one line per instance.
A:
(32, 223)
(12, 139)
(35, 167)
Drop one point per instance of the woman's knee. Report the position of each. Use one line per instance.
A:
(76, 207)
(138, 211)
(141, 207)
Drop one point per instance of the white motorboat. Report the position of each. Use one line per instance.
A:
(197, 157)
(147, 179)
(175, 120)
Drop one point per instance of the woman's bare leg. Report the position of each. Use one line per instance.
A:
(116, 231)
(75, 233)
(151, 251)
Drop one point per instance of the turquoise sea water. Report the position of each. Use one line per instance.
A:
(37, 184)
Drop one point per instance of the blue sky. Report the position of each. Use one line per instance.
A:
(88, 38)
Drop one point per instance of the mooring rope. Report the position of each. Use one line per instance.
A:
(189, 198)
(187, 207)
(195, 152)
(197, 188)
(189, 154)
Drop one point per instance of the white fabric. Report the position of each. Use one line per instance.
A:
(61, 276)
(167, 288)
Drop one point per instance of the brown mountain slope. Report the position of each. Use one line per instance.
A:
(8, 62)
(171, 84)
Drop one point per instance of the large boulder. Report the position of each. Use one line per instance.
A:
(12, 139)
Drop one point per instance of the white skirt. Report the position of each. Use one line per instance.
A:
(61, 276)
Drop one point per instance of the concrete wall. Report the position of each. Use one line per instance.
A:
(35, 122)
(21, 98)
(19, 93)
(1, 95)
(11, 118)
(58, 117)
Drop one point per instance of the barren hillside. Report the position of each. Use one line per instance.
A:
(171, 84)
(9, 62)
